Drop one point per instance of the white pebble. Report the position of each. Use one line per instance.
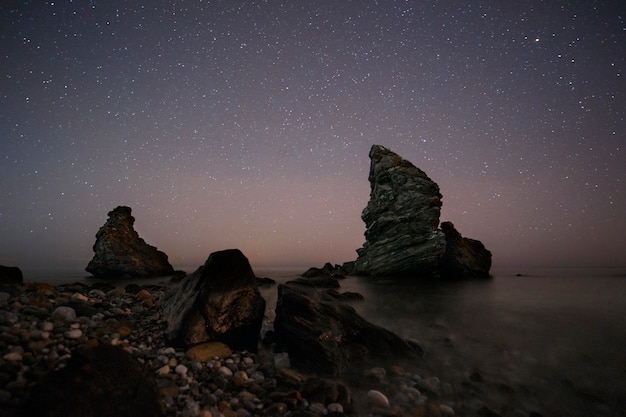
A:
(74, 333)
(377, 399)
(335, 408)
(181, 370)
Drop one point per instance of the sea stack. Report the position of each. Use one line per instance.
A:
(402, 234)
(119, 251)
(401, 219)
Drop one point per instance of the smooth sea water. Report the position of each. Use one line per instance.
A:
(551, 341)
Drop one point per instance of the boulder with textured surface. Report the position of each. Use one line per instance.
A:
(119, 251)
(219, 302)
(464, 257)
(325, 336)
(401, 219)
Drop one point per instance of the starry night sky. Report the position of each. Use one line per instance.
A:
(247, 124)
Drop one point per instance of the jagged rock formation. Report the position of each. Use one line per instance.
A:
(463, 257)
(119, 250)
(219, 302)
(401, 219)
(326, 336)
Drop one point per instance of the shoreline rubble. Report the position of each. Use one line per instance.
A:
(43, 325)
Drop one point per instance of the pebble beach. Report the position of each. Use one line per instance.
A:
(42, 325)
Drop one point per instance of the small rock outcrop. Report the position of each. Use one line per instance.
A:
(325, 336)
(11, 275)
(219, 302)
(463, 257)
(119, 251)
(401, 219)
(103, 381)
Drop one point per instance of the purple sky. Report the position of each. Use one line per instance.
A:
(247, 124)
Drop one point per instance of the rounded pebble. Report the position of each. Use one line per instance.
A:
(377, 399)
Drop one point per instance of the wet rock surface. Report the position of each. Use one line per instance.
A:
(324, 335)
(119, 251)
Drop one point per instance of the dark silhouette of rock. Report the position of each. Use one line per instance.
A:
(401, 219)
(326, 336)
(463, 257)
(328, 269)
(103, 381)
(11, 275)
(219, 302)
(119, 251)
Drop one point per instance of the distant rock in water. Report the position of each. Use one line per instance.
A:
(119, 250)
(402, 234)
(463, 257)
(11, 275)
(401, 219)
(219, 302)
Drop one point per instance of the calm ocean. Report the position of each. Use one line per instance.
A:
(552, 340)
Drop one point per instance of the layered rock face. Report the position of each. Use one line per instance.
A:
(463, 257)
(401, 219)
(326, 336)
(120, 251)
(219, 302)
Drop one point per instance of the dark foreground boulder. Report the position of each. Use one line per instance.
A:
(104, 381)
(464, 257)
(11, 275)
(119, 251)
(219, 302)
(326, 336)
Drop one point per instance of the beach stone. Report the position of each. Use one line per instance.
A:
(104, 381)
(13, 356)
(207, 351)
(73, 333)
(327, 391)
(377, 399)
(63, 313)
(219, 302)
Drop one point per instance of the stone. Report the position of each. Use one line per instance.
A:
(119, 251)
(377, 399)
(207, 351)
(102, 381)
(463, 257)
(401, 219)
(219, 302)
(11, 275)
(63, 313)
(327, 391)
(325, 336)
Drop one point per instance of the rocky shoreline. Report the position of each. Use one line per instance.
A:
(43, 326)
